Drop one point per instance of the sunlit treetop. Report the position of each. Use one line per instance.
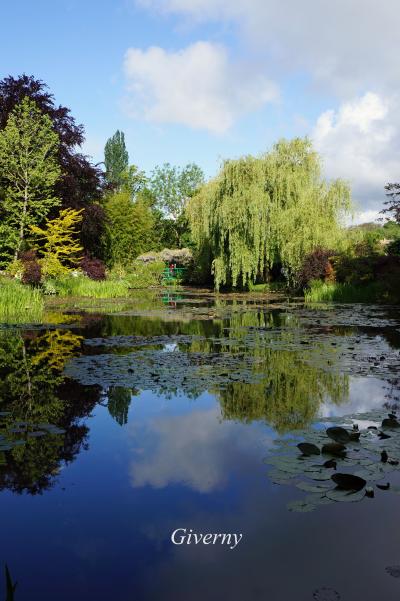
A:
(264, 211)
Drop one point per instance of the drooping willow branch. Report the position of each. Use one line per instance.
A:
(267, 210)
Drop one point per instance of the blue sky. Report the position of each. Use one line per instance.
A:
(203, 80)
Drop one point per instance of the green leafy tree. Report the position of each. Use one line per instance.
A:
(267, 211)
(173, 186)
(130, 227)
(116, 159)
(133, 180)
(29, 170)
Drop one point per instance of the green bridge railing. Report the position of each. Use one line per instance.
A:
(173, 273)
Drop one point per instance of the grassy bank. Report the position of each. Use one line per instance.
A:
(320, 292)
(85, 287)
(19, 303)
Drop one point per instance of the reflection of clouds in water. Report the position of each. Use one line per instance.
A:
(196, 449)
(364, 394)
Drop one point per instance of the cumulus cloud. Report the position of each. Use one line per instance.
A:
(197, 86)
(360, 142)
(347, 46)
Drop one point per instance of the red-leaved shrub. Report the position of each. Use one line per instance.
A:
(32, 271)
(316, 266)
(93, 268)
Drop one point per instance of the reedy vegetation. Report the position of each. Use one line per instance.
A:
(19, 303)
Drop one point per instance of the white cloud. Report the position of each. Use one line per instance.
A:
(197, 86)
(348, 45)
(360, 142)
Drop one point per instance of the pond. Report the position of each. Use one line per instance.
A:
(122, 423)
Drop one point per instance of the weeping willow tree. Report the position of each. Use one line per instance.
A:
(268, 210)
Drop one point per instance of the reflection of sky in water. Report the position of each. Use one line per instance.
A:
(178, 464)
(189, 449)
(365, 394)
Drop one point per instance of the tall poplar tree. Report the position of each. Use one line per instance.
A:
(29, 171)
(116, 159)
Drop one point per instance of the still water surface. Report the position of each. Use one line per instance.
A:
(128, 422)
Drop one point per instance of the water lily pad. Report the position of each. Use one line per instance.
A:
(348, 481)
(334, 448)
(338, 434)
(310, 487)
(308, 448)
(390, 423)
(345, 496)
(300, 506)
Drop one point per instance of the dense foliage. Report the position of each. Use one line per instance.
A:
(262, 221)
(32, 270)
(129, 229)
(267, 211)
(93, 268)
(81, 183)
(316, 266)
(29, 171)
(59, 244)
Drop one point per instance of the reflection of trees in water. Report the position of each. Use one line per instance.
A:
(292, 389)
(293, 386)
(33, 391)
(119, 400)
(290, 396)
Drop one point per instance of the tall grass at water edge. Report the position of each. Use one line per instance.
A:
(19, 303)
(85, 287)
(320, 292)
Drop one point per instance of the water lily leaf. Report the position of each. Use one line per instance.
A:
(319, 475)
(345, 496)
(300, 506)
(348, 481)
(338, 434)
(307, 448)
(308, 487)
(383, 486)
(318, 499)
(389, 422)
(334, 448)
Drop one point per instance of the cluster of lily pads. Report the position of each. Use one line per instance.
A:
(138, 341)
(161, 371)
(17, 433)
(340, 463)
